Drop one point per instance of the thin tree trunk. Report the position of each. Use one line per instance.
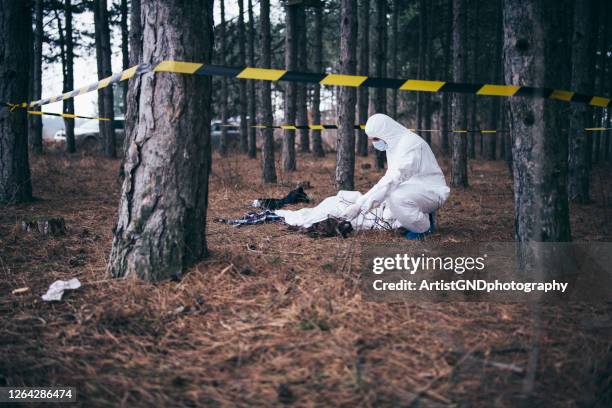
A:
(162, 213)
(459, 175)
(427, 66)
(252, 103)
(345, 157)
(473, 121)
(580, 115)
(291, 34)
(394, 56)
(223, 143)
(15, 45)
(302, 106)
(135, 58)
(380, 68)
(421, 61)
(317, 142)
(35, 121)
(363, 69)
(490, 139)
(539, 150)
(600, 31)
(103, 58)
(69, 78)
(268, 172)
(448, 46)
(125, 53)
(242, 83)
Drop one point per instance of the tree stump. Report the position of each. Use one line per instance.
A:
(44, 225)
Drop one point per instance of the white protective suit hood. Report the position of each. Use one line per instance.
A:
(409, 159)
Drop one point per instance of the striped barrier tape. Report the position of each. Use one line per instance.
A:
(331, 127)
(64, 115)
(269, 74)
(13, 106)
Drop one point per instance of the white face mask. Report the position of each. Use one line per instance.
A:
(380, 145)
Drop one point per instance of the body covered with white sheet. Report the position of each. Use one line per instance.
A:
(412, 187)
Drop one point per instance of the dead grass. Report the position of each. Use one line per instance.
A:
(274, 317)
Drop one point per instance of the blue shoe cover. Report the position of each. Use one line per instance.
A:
(420, 235)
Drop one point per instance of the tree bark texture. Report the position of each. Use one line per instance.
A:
(535, 53)
(583, 55)
(363, 93)
(103, 59)
(459, 175)
(223, 143)
(35, 121)
(317, 142)
(394, 57)
(252, 102)
(162, 211)
(345, 156)
(15, 43)
(242, 83)
(68, 85)
(302, 94)
(490, 139)
(380, 67)
(268, 165)
(134, 84)
(475, 77)
(288, 143)
(448, 47)
(125, 52)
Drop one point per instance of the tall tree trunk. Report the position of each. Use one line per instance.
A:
(607, 84)
(600, 31)
(580, 115)
(317, 142)
(15, 43)
(448, 46)
(268, 169)
(242, 83)
(223, 143)
(252, 103)
(35, 121)
(291, 37)
(363, 69)
(345, 157)
(459, 175)
(473, 121)
(69, 78)
(161, 224)
(394, 57)
(135, 58)
(537, 56)
(380, 67)
(125, 53)
(103, 58)
(490, 139)
(427, 67)
(421, 61)
(302, 95)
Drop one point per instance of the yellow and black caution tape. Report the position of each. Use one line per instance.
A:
(268, 74)
(331, 127)
(13, 106)
(64, 115)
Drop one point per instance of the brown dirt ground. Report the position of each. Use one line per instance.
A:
(274, 317)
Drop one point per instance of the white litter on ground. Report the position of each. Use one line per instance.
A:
(57, 288)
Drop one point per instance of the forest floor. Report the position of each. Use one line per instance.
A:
(275, 317)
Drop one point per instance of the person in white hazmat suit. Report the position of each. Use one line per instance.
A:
(407, 196)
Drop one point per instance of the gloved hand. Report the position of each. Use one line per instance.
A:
(351, 212)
